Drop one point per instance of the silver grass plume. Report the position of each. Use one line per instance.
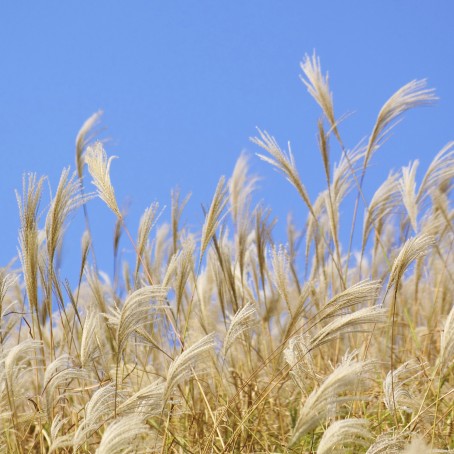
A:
(99, 409)
(28, 234)
(364, 292)
(407, 185)
(59, 441)
(213, 217)
(341, 435)
(411, 95)
(348, 376)
(384, 201)
(401, 399)
(84, 136)
(59, 373)
(350, 323)
(318, 87)
(147, 221)
(413, 248)
(242, 321)
(135, 313)
(280, 262)
(447, 341)
(121, 436)
(439, 174)
(14, 368)
(68, 198)
(184, 364)
(387, 444)
(241, 185)
(89, 345)
(99, 168)
(282, 162)
(148, 401)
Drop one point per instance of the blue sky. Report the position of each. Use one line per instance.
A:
(184, 84)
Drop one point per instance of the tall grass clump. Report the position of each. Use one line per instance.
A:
(227, 339)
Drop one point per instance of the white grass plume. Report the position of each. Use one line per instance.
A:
(68, 198)
(283, 162)
(402, 399)
(348, 376)
(60, 373)
(439, 174)
(147, 401)
(99, 168)
(384, 201)
(350, 323)
(447, 341)
(280, 261)
(364, 293)
(59, 441)
(99, 409)
(408, 191)
(411, 95)
(413, 248)
(135, 313)
(341, 435)
(213, 217)
(14, 367)
(183, 365)
(89, 346)
(147, 222)
(387, 444)
(83, 138)
(242, 321)
(123, 435)
(241, 185)
(318, 86)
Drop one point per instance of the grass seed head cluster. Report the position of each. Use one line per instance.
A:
(226, 340)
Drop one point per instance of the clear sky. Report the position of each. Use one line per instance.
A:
(183, 85)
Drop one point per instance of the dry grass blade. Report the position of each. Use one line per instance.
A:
(242, 321)
(348, 376)
(99, 168)
(213, 218)
(341, 435)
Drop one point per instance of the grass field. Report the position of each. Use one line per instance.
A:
(224, 340)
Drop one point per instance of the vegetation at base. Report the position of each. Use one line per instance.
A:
(224, 340)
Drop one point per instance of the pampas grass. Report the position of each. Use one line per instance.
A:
(228, 339)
